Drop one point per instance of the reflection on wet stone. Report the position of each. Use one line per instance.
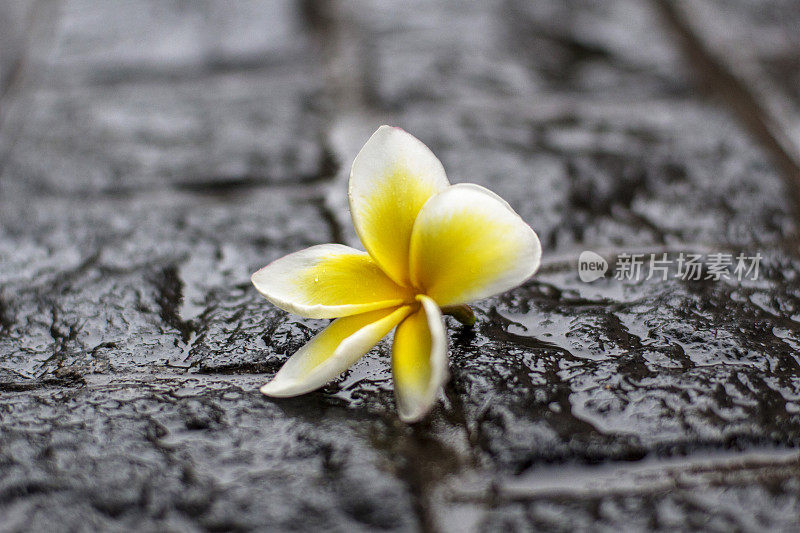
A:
(154, 154)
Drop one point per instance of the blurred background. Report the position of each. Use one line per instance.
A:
(154, 153)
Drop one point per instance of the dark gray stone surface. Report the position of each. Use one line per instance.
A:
(116, 284)
(154, 154)
(182, 453)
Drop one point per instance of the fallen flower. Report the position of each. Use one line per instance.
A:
(430, 246)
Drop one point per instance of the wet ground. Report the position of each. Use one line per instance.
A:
(155, 153)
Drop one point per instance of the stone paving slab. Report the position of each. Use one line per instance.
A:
(135, 96)
(149, 135)
(119, 284)
(188, 454)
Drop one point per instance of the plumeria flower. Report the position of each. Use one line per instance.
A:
(431, 247)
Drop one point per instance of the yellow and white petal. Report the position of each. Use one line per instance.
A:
(392, 177)
(468, 243)
(419, 361)
(332, 351)
(328, 281)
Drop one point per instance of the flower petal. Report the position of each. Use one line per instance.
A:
(393, 176)
(332, 351)
(468, 244)
(419, 361)
(328, 281)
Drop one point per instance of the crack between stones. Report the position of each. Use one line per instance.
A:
(641, 479)
(329, 169)
(170, 298)
(221, 189)
(350, 115)
(189, 71)
(719, 79)
(350, 120)
(161, 376)
(329, 217)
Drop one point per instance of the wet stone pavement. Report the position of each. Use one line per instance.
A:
(155, 153)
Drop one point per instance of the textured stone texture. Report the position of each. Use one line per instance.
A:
(142, 95)
(188, 453)
(154, 154)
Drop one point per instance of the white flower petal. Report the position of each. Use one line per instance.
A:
(392, 177)
(468, 243)
(328, 281)
(332, 351)
(419, 361)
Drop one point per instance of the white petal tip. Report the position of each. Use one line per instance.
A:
(278, 389)
(410, 416)
(422, 408)
(387, 127)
